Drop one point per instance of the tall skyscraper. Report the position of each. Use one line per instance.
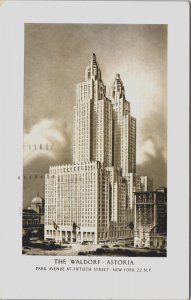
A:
(124, 149)
(89, 200)
(92, 119)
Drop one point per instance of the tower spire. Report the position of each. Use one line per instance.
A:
(93, 70)
(93, 57)
(118, 90)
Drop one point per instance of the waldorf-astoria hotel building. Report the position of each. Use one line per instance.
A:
(89, 199)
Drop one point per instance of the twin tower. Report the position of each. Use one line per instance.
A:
(103, 129)
(91, 199)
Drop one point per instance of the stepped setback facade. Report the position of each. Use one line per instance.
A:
(91, 200)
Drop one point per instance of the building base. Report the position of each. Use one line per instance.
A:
(87, 235)
(147, 240)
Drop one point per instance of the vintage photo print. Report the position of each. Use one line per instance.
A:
(94, 149)
(95, 140)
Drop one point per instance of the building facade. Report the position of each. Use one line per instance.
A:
(77, 194)
(82, 194)
(33, 217)
(89, 200)
(37, 204)
(124, 148)
(137, 183)
(30, 219)
(146, 183)
(150, 219)
(92, 119)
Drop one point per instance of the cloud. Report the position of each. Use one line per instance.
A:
(151, 161)
(46, 139)
(156, 168)
(147, 150)
(150, 147)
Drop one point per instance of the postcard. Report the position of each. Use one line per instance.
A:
(95, 156)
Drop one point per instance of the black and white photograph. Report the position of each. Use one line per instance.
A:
(95, 140)
(94, 127)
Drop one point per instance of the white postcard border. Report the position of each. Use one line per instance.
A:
(169, 276)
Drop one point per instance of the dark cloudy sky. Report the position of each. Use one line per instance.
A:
(55, 59)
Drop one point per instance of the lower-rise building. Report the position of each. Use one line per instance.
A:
(136, 183)
(150, 219)
(85, 202)
(146, 184)
(33, 218)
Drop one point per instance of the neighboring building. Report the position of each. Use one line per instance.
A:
(33, 216)
(134, 185)
(30, 218)
(150, 219)
(146, 184)
(37, 204)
